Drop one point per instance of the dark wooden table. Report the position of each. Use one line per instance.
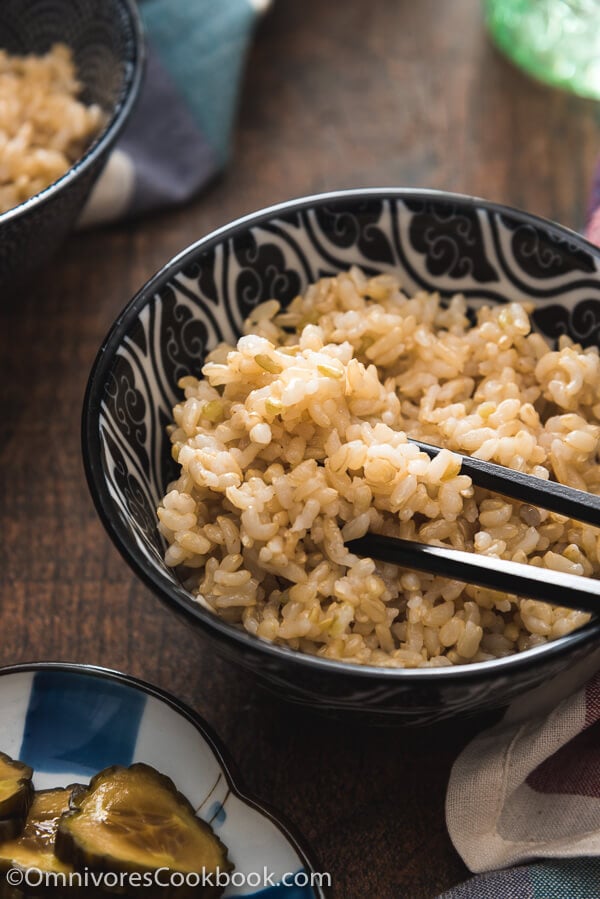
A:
(365, 92)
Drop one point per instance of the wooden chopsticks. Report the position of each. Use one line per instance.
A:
(557, 587)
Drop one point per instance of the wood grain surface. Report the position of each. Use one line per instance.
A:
(365, 92)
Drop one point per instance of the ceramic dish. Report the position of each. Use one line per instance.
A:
(69, 721)
(108, 48)
(431, 240)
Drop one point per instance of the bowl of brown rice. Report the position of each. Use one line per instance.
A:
(249, 414)
(69, 77)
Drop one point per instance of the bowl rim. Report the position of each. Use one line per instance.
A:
(132, 81)
(180, 600)
(235, 780)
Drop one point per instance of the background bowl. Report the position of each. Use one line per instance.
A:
(431, 240)
(70, 721)
(107, 43)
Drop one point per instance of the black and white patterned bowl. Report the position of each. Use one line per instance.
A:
(108, 47)
(431, 240)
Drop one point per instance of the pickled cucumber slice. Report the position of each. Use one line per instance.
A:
(16, 793)
(34, 848)
(134, 820)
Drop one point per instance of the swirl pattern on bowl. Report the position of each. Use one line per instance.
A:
(434, 241)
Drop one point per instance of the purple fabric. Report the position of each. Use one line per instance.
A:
(592, 228)
(172, 158)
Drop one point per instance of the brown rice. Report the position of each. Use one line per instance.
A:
(44, 128)
(295, 441)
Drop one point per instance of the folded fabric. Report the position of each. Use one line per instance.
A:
(529, 789)
(592, 227)
(570, 879)
(179, 135)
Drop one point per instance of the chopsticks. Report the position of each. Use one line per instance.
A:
(526, 488)
(558, 587)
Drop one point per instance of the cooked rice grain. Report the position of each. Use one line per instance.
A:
(296, 440)
(44, 128)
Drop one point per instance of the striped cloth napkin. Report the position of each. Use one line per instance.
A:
(529, 789)
(523, 800)
(179, 134)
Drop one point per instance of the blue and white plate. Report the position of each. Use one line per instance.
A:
(69, 721)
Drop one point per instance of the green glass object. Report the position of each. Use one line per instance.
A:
(557, 41)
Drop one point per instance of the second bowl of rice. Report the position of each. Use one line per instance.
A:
(70, 74)
(249, 415)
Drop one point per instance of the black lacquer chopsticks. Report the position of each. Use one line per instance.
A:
(526, 488)
(548, 585)
(557, 587)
